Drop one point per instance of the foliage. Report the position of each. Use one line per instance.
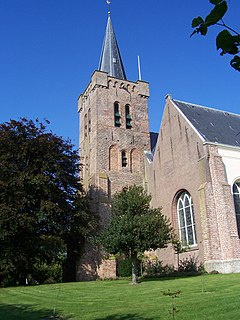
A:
(177, 244)
(189, 264)
(134, 226)
(44, 215)
(108, 300)
(45, 273)
(186, 266)
(157, 269)
(228, 40)
(124, 267)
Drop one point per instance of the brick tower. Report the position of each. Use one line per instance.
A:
(114, 133)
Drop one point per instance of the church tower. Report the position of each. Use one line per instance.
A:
(114, 127)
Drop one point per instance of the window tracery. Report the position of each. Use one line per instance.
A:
(186, 222)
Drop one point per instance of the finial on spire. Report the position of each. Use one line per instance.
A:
(108, 2)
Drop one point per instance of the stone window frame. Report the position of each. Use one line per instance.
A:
(186, 222)
(236, 200)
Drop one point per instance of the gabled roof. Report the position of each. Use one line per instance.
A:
(213, 125)
(111, 61)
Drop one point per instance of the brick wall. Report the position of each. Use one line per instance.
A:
(102, 143)
(182, 161)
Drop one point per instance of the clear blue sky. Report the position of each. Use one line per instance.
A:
(50, 48)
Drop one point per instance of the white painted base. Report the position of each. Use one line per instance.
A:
(223, 266)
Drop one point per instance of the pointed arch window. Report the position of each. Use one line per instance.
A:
(117, 116)
(113, 158)
(89, 120)
(85, 125)
(124, 159)
(186, 222)
(135, 160)
(236, 198)
(128, 117)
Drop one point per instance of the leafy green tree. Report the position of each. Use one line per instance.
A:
(134, 226)
(228, 40)
(44, 215)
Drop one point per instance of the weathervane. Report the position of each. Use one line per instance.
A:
(108, 2)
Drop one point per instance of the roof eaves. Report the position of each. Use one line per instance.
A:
(217, 144)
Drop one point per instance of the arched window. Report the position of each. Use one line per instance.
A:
(124, 158)
(236, 198)
(113, 158)
(128, 117)
(117, 116)
(89, 120)
(85, 126)
(186, 223)
(135, 160)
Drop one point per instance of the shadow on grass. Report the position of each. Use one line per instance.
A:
(171, 277)
(27, 312)
(125, 317)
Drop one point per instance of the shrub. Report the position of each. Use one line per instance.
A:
(155, 268)
(44, 273)
(214, 272)
(124, 267)
(188, 265)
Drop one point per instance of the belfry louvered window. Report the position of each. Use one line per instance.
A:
(117, 116)
(124, 158)
(186, 222)
(236, 198)
(128, 117)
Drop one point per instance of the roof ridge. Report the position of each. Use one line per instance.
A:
(201, 106)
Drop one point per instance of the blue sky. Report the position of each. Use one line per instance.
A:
(50, 48)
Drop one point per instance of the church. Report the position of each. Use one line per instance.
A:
(190, 168)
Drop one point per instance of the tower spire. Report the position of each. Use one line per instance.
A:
(111, 61)
(109, 2)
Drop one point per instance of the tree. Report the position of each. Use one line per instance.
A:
(44, 215)
(134, 226)
(228, 40)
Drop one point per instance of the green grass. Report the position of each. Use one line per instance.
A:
(208, 297)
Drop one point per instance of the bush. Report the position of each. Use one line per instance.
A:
(214, 272)
(188, 265)
(157, 269)
(124, 267)
(7, 281)
(44, 273)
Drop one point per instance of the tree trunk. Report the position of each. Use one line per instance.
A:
(134, 268)
(69, 265)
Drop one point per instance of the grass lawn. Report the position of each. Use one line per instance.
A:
(209, 297)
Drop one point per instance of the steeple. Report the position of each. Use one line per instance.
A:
(111, 61)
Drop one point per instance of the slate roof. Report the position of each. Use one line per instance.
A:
(213, 125)
(111, 61)
(153, 141)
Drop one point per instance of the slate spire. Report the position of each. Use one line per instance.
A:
(111, 61)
